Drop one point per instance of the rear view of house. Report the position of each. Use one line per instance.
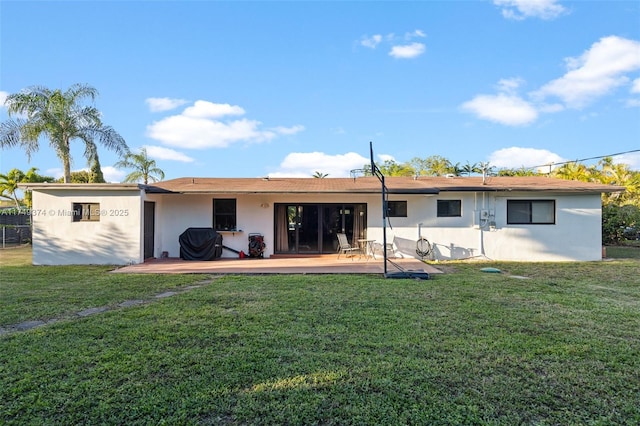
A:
(502, 218)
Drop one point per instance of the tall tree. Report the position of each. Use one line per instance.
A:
(144, 168)
(620, 174)
(574, 171)
(95, 173)
(391, 168)
(437, 165)
(60, 116)
(79, 176)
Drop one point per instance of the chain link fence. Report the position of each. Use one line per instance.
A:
(15, 227)
(14, 235)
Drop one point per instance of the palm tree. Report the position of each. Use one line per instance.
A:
(145, 169)
(320, 175)
(437, 165)
(9, 185)
(62, 117)
(469, 168)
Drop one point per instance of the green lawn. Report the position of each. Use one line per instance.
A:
(561, 346)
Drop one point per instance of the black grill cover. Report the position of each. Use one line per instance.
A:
(200, 244)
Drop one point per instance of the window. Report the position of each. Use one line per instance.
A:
(396, 209)
(535, 212)
(449, 208)
(86, 212)
(224, 214)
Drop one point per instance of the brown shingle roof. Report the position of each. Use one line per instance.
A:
(397, 185)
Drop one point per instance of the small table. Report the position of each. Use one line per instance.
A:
(367, 248)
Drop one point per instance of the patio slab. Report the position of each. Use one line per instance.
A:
(325, 264)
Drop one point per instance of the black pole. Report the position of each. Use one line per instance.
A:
(384, 225)
(375, 171)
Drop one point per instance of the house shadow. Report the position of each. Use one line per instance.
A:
(108, 247)
(451, 252)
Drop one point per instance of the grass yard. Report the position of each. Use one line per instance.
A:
(540, 343)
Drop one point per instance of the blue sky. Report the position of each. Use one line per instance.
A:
(247, 89)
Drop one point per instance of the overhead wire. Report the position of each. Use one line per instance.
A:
(583, 159)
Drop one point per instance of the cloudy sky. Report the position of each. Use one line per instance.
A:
(246, 89)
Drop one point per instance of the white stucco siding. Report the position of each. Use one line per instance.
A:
(113, 240)
(255, 214)
(177, 212)
(576, 234)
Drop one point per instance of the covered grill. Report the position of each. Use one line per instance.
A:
(200, 244)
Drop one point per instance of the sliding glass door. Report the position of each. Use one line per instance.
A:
(312, 228)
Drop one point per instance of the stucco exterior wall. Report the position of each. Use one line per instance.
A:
(576, 234)
(480, 231)
(255, 214)
(113, 240)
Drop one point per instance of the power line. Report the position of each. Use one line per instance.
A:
(584, 159)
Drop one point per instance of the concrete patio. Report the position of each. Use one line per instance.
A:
(321, 264)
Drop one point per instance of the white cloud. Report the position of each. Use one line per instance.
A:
(597, 72)
(288, 130)
(386, 157)
(503, 108)
(632, 159)
(399, 46)
(413, 34)
(200, 126)
(516, 157)
(164, 104)
(162, 153)
(633, 103)
(55, 172)
(510, 85)
(522, 9)
(304, 164)
(407, 51)
(111, 174)
(206, 109)
(371, 42)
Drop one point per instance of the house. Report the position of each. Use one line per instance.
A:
(500, 218)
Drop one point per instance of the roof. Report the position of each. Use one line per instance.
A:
(370, 185)
(360, 185)
(84, 186)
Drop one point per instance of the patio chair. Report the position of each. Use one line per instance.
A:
(345, 248)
